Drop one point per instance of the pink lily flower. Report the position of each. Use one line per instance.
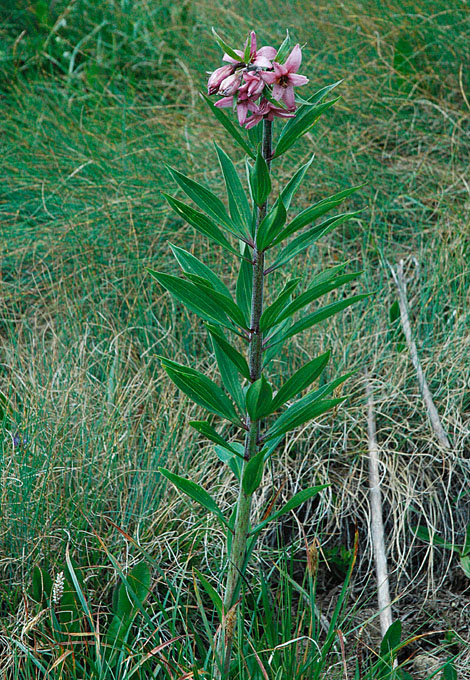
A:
(266, 110)
(260, 58)
(285, 77)
(217, 77)
(254, 84)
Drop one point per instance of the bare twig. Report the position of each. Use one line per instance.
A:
(378, 539)
(433, 415)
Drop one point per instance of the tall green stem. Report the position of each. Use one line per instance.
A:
(242, 521)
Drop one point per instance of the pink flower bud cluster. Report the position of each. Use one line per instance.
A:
(251, 86)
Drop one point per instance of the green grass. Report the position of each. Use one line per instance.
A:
(91, 111)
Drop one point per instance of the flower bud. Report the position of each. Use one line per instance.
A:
(230, 85)
(218, 76)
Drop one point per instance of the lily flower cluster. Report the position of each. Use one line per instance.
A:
(256, 84)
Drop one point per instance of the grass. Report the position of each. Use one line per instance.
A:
(92, 109)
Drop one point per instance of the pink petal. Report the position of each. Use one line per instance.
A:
(269, 77)
(266, 51)
(278, 92)
(297, 80)
(251, 122)
(262, 62)
(242, 110)
(280, 69)
(224, 102)
(289, 97)
(294, 60)
(253, 44)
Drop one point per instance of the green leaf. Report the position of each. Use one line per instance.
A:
(299, 126)
(203, 224)
(316, 317)
(449, 672)
(315, 211)
(315, 99)
(289, 190)
(465, 565)
(253, 473)
(283, 51)
(191, 265)
(240, 211)
(391, 639)
(260, 180)
(424, 534)
(233, 460)
(206, 200)
(229, 362)
(245, 285)
(206, 429)
(203, 300)
(270, 314)
(294, 502)
(258, 399)
(225, 47)
(233, 131)
(300, 380)
(41, 585)
(294, 417)
(135, 587)
(201, 390)
(237, 359)
(308, 238)
(271, 225)
(213, 594)
(196, 492)
(314, 292)
(78, 584)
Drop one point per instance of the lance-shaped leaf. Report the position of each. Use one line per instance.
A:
(233, 131)
(233, 460)
(270, 314)
(289, 421)
(233, 355)
(308, 238)
(315, 98)
(199, 297)
(284, 49)
(297, 127)
(314, 212)
(315, 292)
(225, 46)
(201, 390)
(305, 409)
(191, 265)
(259, 398)
(203, 224)
(289, 190)
(206, 429)
(260, 180)
(294, 502)
(245, 284)
(213, 594)
(300, 380)
(316, 317)
(226, 356)
(240, 211)
(271, 225)
(194, 491)
(206, 200)
(253, 473)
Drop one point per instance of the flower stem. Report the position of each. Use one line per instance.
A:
(242, 521)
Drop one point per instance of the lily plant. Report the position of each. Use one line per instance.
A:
(246, 331)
